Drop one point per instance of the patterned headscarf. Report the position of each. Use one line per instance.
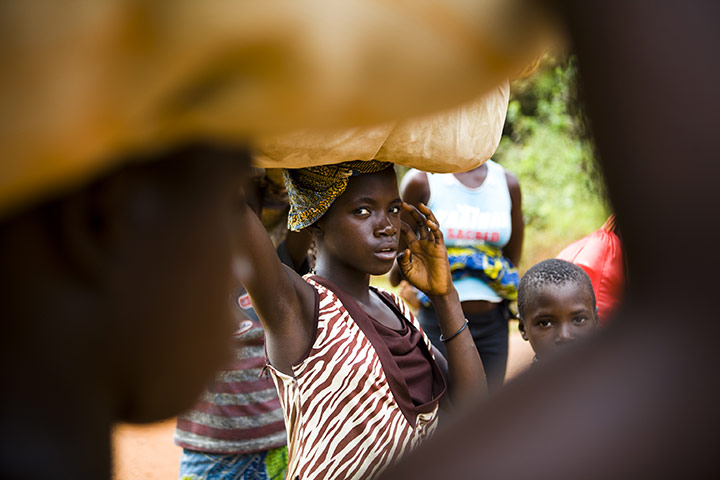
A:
(312, 190)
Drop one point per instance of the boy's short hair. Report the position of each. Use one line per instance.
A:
(554, 272)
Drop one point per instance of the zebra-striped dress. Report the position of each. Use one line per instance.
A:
(347, 408)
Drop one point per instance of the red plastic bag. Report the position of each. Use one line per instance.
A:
(600, 255)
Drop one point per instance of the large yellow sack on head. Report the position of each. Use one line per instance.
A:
(309, 148)
(456, 140)
(451, 141)
(84, 84)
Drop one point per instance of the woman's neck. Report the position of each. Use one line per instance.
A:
(352, 282)
(473, 178)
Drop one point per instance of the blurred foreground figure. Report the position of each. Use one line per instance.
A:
(640, 399)
(115, 306)
(124, 75)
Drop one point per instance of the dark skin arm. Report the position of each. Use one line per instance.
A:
(424, 264)
(415, 190)
(513, 249)
(283, 300)
(297, 244)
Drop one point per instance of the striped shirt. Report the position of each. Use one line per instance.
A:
(347, 407)
(240, 411)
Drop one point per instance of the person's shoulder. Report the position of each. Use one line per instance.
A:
(415, 186)
(414, 177)
(512, 180)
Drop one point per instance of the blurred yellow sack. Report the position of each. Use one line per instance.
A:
(86, 83)
(451, 141)
(307, 148)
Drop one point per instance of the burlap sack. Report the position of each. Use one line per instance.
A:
(306, 148)
(451, 141)
(85, 83)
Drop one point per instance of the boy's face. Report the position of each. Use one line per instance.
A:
(557, 316)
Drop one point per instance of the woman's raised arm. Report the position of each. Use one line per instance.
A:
(284, 302)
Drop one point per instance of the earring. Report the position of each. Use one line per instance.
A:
(312, 256)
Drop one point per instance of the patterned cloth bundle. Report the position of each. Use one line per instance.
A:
(487, 263)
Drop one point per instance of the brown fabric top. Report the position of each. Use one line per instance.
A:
(415, 367)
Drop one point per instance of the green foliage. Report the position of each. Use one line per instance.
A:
(546, 144)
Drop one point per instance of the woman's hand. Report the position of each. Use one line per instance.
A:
(425, 263)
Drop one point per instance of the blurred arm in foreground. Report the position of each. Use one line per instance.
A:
(641, 399)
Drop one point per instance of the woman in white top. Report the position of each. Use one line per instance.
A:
(480, 216)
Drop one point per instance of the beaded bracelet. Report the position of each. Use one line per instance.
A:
(443, 339)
